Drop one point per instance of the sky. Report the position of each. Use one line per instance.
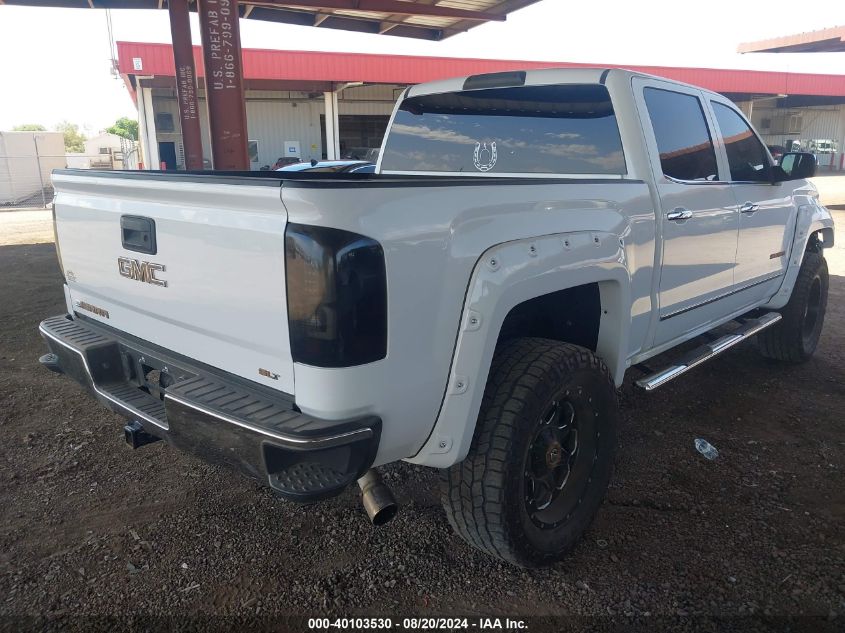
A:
(55, 63)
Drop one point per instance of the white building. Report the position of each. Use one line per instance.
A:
(106, 151)
(280, 124)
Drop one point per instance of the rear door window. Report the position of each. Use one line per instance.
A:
(683, 140)
(568, 129)
(746, 155)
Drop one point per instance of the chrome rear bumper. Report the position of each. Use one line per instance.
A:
(216, 415)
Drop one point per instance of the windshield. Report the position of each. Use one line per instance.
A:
(564, 129)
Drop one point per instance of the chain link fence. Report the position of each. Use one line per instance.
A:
(25, 180)
(27, 160)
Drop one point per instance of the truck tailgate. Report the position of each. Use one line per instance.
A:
(212, 289)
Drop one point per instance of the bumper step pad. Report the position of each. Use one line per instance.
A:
(93, 360)
(305, 478)
(248, 406)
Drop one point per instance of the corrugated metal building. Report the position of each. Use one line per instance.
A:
(289, 92)
(276, 117)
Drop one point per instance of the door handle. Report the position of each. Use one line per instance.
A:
(679, 214)
(138, 234)
(749, 207)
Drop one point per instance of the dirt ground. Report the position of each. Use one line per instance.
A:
(753, 540)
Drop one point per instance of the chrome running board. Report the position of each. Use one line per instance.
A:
(704, 353)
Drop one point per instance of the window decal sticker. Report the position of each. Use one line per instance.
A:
(485, 159)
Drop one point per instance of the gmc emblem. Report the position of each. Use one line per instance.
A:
(141, 271)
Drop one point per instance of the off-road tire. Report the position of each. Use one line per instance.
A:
(795, 337)
(485, 496)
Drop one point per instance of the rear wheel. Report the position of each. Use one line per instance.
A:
(542, 453)
(795, 337)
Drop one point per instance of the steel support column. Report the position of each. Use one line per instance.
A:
(147, 125)
(332, 120)
(221, 52)
(186, 83)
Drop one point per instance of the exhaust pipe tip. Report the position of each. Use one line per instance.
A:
(378, 500)
(383, 515)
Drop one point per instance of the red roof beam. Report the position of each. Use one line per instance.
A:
(309, 66)
(388, 6)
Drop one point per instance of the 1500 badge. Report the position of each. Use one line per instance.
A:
(141, 271)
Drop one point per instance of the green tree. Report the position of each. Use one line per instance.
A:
(74, 139)
(125, 127)
(29, 127)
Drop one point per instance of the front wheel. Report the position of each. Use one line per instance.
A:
(541, 457)
(795, 337)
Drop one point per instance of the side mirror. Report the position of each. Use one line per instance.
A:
(798, 165)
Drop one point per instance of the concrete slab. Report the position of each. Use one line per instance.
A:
(26, 227)
(831, 188)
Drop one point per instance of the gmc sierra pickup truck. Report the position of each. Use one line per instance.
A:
(471, 306)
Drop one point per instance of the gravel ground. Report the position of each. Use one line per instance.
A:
(753, 540)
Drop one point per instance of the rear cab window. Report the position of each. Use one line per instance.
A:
(560, 129)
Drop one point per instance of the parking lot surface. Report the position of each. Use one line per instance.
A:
(90, 527)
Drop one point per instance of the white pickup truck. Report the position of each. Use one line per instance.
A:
(472, 306)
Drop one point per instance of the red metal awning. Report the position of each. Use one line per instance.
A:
(310, 67)
(830, 40)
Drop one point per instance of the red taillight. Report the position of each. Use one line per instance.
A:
(337, 297)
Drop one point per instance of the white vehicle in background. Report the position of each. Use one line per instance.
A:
(332, 166)
(472, 306)
(822, 146)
